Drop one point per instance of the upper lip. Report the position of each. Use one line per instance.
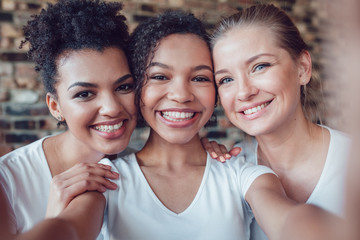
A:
(249, 106)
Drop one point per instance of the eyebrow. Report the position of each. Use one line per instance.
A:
(247, 61)
(197, 68)
(201, 67)
(92, 85)
(157, 64)
(258, 56)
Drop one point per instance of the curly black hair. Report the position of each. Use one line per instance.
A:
(145, 40)
(72, 25)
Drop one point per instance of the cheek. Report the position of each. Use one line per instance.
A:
(78, 112)
(128, 101)
(149, 95)
(227, 96)
(208, 96)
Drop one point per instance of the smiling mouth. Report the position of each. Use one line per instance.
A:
(255, 109)
(177, 116)
(109, 128)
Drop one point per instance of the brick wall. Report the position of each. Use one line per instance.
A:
(24, 116)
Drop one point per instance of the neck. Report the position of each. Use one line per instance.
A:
(288, 146)
(159, 152)
(63, 151)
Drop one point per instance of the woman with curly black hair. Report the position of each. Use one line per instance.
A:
(79, 48)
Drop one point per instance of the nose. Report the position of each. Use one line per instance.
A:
(180, 91)
(245, 89)
(110, 105)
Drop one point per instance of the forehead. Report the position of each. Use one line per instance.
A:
(189, 46)
(249, 36)
(91, 65)
(246, 41)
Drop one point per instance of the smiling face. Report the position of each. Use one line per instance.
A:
(179, 95)
(95, 97)
(258, 82)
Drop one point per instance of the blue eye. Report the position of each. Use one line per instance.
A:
(261, 66)
(225, 80)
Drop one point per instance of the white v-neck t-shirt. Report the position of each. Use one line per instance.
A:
(218, 211)
(329, 192)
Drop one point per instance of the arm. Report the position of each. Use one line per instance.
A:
(85, 214)
(281, 217)
(72, 223)
(80, 178)
(312, 223)
(219, 151)
(81, 220)
(46, 228)
(269, 203)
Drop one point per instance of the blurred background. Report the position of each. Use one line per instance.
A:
(24, 116)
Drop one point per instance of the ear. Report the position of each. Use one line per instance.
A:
(305, 68)
(53, 106)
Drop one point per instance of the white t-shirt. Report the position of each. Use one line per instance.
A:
(25, 177)
(218, 210)
(329, 192)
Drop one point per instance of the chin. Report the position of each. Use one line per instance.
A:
(116, 148)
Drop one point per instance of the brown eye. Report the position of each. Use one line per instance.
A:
(125, 88)
(201, 79)
(159, 77)
(83, 94)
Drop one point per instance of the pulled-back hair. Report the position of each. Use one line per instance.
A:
(146, 38)
(287, 37)
(71, 25)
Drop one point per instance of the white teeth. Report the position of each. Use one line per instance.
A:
(108, 128)
(255, 109)
(177, 116)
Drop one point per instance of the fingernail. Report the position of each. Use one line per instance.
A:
(227, 155)
(214, 155)
(222, 159)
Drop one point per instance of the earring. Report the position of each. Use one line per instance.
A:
(59, 118)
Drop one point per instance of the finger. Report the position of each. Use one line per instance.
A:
(224, 151)
(99, 175)
(79, 169)
(78, 187)
(103, 166)
(90, 178)
(208, 147)
(216, 148)
(235, 151)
